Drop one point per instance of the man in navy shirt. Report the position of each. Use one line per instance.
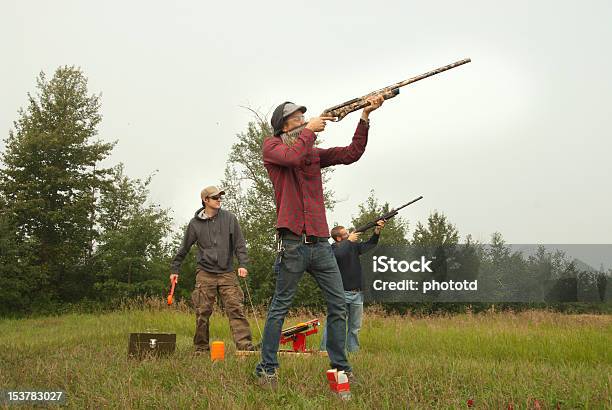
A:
(347, 250)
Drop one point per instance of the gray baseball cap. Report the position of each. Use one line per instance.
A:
(290, 108)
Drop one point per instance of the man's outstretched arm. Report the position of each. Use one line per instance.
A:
(370, 244)
(349, 154)
(354, 151)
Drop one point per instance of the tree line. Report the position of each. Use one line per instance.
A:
(74, 232)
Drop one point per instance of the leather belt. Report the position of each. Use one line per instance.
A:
(306, 239)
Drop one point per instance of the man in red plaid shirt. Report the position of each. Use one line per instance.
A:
(294, 166)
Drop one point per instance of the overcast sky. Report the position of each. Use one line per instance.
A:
(518, 141)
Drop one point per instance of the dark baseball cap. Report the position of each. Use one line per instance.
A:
(281, 113)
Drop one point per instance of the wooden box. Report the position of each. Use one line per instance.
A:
(143, 345)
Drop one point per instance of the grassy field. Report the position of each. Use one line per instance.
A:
(405, 362)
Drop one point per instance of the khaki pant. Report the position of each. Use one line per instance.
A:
(203, 298)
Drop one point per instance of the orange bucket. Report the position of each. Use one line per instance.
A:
(217, 351)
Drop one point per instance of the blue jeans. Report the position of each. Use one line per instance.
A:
(318, 259)
(354, 309)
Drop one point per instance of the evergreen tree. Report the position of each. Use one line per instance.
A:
(438, 232)
(132, 254)
(437, 242)
(18, 279)
(50, 174)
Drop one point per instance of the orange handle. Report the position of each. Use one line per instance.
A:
(171, 291)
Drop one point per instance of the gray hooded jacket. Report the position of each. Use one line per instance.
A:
(218, 239)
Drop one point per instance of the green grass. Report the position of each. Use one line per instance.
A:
(405, 362)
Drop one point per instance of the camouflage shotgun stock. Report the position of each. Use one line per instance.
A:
(342, 110)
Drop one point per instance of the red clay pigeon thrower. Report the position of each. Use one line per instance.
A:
(296, 335)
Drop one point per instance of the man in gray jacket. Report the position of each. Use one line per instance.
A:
(219, 238)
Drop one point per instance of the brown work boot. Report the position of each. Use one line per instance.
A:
(248, 348)
(267, 380)
(201, 352)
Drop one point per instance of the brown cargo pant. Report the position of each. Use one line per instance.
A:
(203, 298)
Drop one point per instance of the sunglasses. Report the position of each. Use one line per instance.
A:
(296, 118)
(216, 197)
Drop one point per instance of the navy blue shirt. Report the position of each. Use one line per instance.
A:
(347, 255)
